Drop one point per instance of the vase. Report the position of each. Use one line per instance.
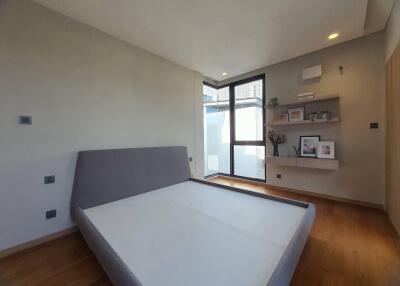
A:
(276, 151)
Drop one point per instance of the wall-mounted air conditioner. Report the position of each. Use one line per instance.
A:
(312, 72)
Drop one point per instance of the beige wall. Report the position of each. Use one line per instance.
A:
(393, 137)
(392, 53)
(362, 95)
(392, 33)
(85, 90)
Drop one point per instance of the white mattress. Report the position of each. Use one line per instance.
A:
(195, 234)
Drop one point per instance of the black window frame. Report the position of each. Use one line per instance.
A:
(232, 135)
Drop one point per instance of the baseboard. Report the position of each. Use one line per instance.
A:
(328, 197)
(311, 194)
(395, 226)
(36, 242)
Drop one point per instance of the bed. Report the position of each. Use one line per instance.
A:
(149, 223)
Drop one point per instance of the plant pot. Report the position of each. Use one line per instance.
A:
(276, 151)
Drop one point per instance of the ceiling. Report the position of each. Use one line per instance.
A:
(232, 36)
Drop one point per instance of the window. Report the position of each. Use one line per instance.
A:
(249, 111)
(216, 130)
(234, 129)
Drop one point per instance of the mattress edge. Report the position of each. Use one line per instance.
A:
(110, 261)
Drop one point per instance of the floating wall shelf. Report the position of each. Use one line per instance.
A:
(315, 105)
(305, 122)
(309, 101)
(314, 163)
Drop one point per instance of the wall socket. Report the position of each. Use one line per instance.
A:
(374, 125)
(279, 176)
(25, 120)
(51, 214)
(49, 179)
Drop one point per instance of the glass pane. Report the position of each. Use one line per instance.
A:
(216, 130)
(249, 161)
(248, 111)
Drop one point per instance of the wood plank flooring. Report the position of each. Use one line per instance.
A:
(64, 261)
(349, 245)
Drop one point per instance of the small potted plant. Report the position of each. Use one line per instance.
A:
(276, 139)
(273, 102)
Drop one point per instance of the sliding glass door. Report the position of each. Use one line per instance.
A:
(234, 129)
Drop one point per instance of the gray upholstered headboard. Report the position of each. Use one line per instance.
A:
(104, 176)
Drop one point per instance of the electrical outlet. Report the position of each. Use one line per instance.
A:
(50, 214)
(279, 176)
(49, 179)
(25, 120)
(374, 125)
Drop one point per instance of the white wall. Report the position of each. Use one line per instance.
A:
(84, 90)
(362, 97)
(392, 34)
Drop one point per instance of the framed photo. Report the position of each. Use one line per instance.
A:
(281, 118)
(296, 114)
(326, 150)
(309, 146)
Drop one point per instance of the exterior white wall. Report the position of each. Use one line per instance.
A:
(84, 90)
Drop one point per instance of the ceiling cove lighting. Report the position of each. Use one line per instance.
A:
(224, 73)
(333, 36)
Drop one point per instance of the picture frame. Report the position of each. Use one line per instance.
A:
(296, 114)
(326, 150)
(309, 146)
(281, 118)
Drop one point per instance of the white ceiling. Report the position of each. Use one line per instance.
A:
(233, 36)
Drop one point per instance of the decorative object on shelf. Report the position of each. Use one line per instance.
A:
(309, 146)
(326, 150)
(296, 150)
(276, 139)
(313, 116)
(273, 101)
(296, 114)
(281, 118)
(306, 96)
(325, 115)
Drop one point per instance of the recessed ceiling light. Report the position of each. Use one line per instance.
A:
(333, 36)
(224, 73)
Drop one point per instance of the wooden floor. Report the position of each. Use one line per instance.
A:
(349, 245)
